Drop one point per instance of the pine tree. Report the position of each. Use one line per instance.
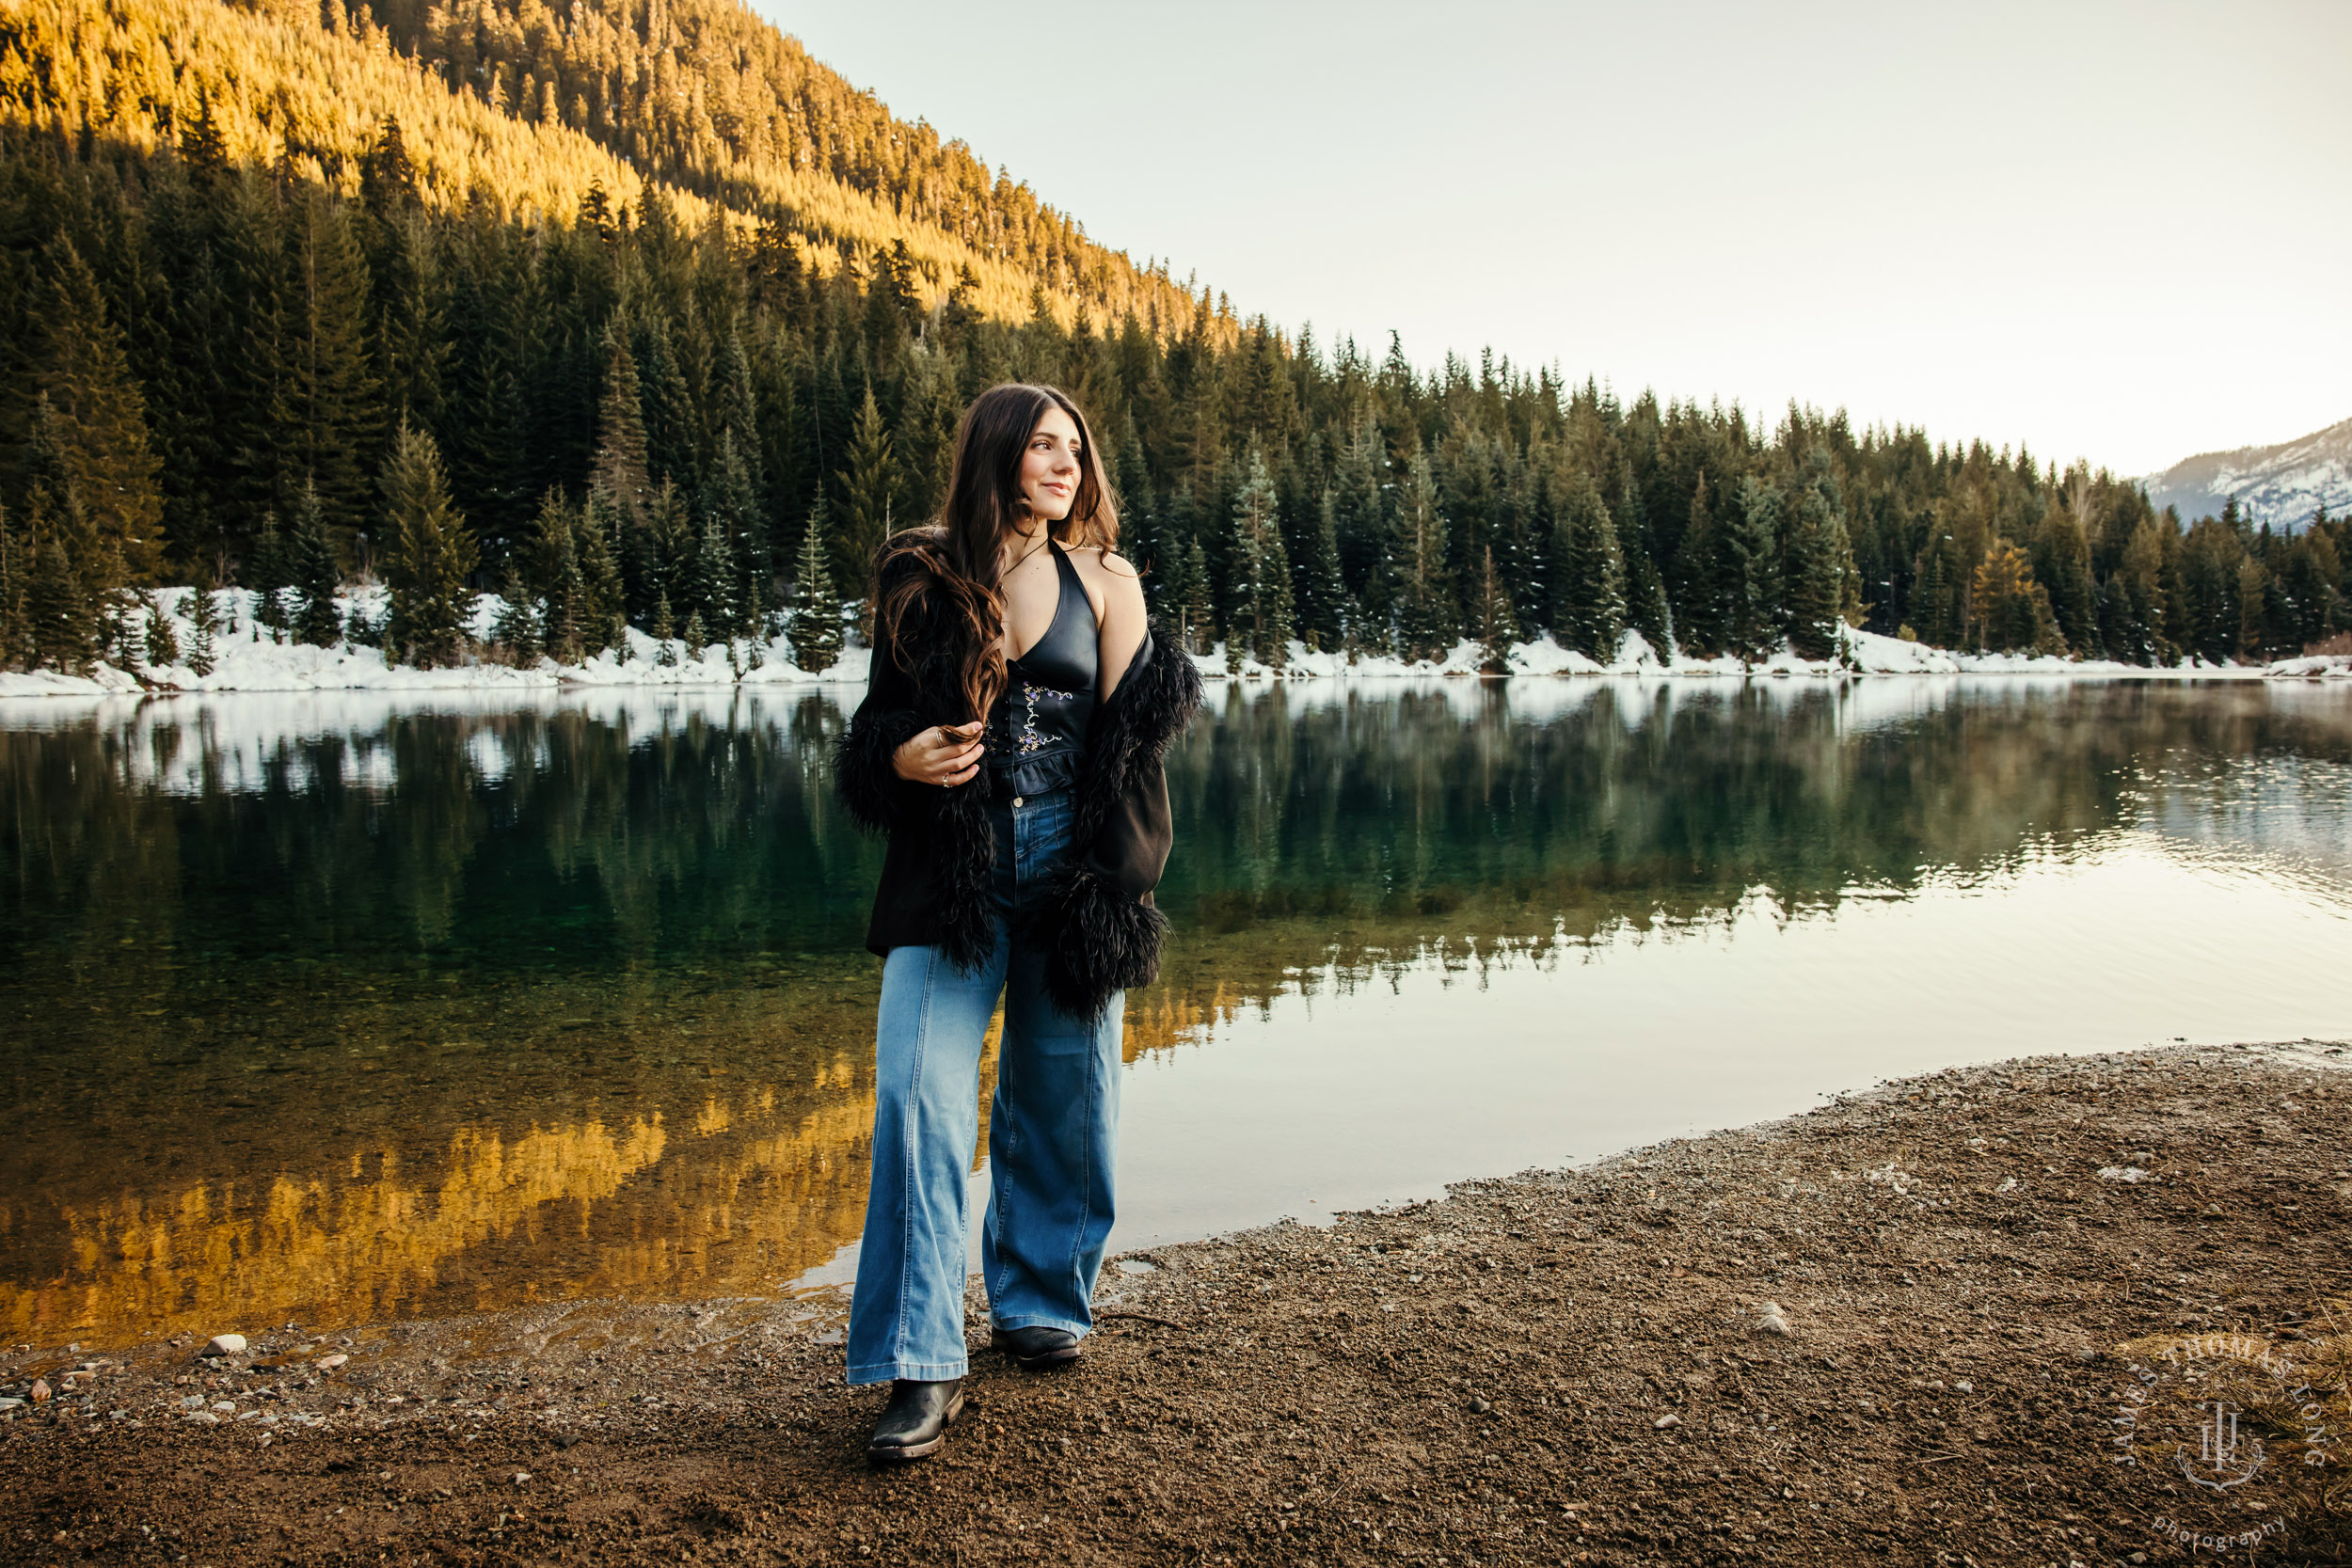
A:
(267, 574)
(1185, 602)
(1625, 510)
(1589, 577)
(411, 327)
(738, 431)
(1367, 544)
(518, 627)
(1522, 553)
(1195, 605)
(163, 640)
(813, 627)
(2252, 643)
(720, 570)
(96, 416)
(16, 647)
(60, 613)
(1261, 620)
(1700, 623)
(603, 616)
(868, 481)
(619, 472)
(890, 307)
(202, 146)
(1936, 596)
(115, 643)
(2207, 602)
(429, 552)
(250, 366)
(315, 577)
(670, 547)
(931, 402)
(668, 406)
(388, 179)
(1646, 610)
(1325, 613)
(1819, 567)
(332, 394)
(2061, 562)
(734, 546)
(1427, 624)
(1748, 564)
(1497, 624)
(664, 632)
(2011, 612)
(204, 644)
(1141, 538)
(555, 576)
(64, 622)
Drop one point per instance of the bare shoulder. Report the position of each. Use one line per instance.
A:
(1109, 575)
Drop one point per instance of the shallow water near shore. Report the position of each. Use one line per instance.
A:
(335, 1008)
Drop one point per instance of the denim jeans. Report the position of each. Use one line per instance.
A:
(1051, 1135)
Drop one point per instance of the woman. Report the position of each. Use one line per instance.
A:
(1010, 745)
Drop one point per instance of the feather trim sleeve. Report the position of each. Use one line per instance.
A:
(885, 720)
(1096, 922)
(869, 785)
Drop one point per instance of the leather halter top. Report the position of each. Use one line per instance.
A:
(1038, 731)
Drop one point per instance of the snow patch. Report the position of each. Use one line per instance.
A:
(1860, 653)
(2312, 667)
(248, 658)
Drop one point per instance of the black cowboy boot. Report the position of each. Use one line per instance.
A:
(1039, 1346)
(914, 1422)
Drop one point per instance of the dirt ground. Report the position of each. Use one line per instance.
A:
(1994, 1343)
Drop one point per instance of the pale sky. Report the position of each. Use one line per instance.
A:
(2120, 232)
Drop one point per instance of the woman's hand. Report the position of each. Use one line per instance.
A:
(942, 755)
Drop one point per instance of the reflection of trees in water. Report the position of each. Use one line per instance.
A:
(362, 1008)
(246, 966)
(471, 835)
(1340, 827)
(740, 1196)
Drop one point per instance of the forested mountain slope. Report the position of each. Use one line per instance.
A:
(707, 97)
(530, 107)
(640, 314)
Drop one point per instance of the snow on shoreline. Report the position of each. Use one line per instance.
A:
(246, 658)
(1865, 654)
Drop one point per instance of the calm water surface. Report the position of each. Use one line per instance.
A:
(338, 1009)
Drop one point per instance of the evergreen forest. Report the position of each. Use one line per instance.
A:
(635, 316)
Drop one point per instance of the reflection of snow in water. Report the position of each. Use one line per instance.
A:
(2285, 805)
(248, 743)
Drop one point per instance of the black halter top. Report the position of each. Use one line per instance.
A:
(1038, 731)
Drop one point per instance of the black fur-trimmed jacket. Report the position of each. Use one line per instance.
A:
(1095, 922)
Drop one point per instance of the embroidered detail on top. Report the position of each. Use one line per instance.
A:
(1030, 694)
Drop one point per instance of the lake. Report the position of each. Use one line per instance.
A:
(339, 1009)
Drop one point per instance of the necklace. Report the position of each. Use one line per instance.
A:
(1014, 568)
(1024, 555)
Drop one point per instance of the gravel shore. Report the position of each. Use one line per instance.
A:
(2072, 1310)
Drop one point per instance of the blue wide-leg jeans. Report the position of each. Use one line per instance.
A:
(1052, 1136)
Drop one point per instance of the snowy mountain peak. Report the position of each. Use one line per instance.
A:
(2280, 485)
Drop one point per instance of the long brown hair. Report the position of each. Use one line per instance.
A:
(957, 552)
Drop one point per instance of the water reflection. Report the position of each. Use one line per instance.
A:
(334, 1008)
